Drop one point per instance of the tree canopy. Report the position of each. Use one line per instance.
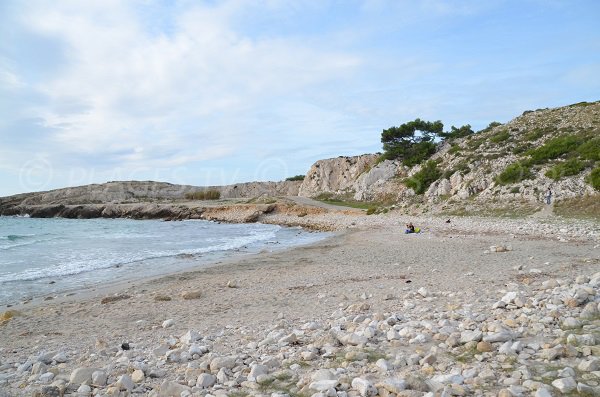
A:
(415, 141)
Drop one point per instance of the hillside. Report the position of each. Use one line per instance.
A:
(504, 166)
(504, 169)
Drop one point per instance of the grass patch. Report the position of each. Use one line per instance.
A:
(565, 168)
(209, 194)
(586, 207)
(345, 201)
(514, 173)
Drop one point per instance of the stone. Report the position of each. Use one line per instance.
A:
(542, 392)
(323, 385)
(484, 347)
(81, 375)
(138, 376)
(46, 377)
(170, 389)
(84, 390)
(206, 380)
(565, 385)
(190, 337)
(353, 339)
(322, 374)
(470, 336)
(257, 370)
(189, 295)
(125, 383)
(39, 368)
(168, 323)
(502, 336)
(364, 387)
(60, 357)
(222, 362)
(589, 365)
(99, 378)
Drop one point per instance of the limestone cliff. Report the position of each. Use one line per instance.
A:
(469, 167)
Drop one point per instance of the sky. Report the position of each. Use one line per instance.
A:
(219, 92)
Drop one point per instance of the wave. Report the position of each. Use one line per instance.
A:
(15, 237)
(78, 267)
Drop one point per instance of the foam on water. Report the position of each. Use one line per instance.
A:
(42, 256)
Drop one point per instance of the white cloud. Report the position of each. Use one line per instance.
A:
(143, 93)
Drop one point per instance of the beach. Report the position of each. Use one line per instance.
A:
(328, 306)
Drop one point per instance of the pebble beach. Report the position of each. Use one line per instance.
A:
(474, 307)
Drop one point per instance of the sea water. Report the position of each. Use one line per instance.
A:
(39, 257)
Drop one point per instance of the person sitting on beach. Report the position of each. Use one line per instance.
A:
(410, 228)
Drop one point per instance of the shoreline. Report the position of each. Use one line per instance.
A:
(318, 295)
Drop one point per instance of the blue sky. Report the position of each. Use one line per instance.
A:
(218, 92)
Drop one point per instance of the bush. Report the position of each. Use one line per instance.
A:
(554, 148)
(516, 172)
(371, 210)
(567, 168)
(590, 150)
(500, 136)
(420, 181)
(594, 178)
(295, 178)
(204, 195)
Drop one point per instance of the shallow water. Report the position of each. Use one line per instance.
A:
(45, 256)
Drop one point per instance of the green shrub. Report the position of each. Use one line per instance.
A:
(420, 181)
(516, 172)
(594, 178)
(554, 148)
(454, 149)
(521, 148)
(537, 134)
(204, 195)
(500, 136)
(590, 150)
(295, 178)
(371, 210)
(566, 168)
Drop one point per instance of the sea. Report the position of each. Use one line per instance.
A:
(54, 256)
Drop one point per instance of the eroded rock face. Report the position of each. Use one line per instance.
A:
(337, 175)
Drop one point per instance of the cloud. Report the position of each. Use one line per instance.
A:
(132, 96)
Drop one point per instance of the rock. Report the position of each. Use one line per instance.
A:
(222, 362)
(470, 336)
(257, 370)
(502, 336)
(364, 387)
(138, 376)
(423, 292)
(565, 385)
(206, 380)
(322, 374)
(189, 337)
(46, 377)
(353, 339)
(60, 357)
(99, 378)
(84, 390)
(39, 368)
(484, 347)
(542, 392)
(168, 323)
(232, 284)
(189, 295)
(323, 385)
(172, 389)
(125, 383)
(589, 365)
(81, 375)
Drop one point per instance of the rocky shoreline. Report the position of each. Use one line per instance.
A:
(477, 307)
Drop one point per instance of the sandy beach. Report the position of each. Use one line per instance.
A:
(369, 268)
